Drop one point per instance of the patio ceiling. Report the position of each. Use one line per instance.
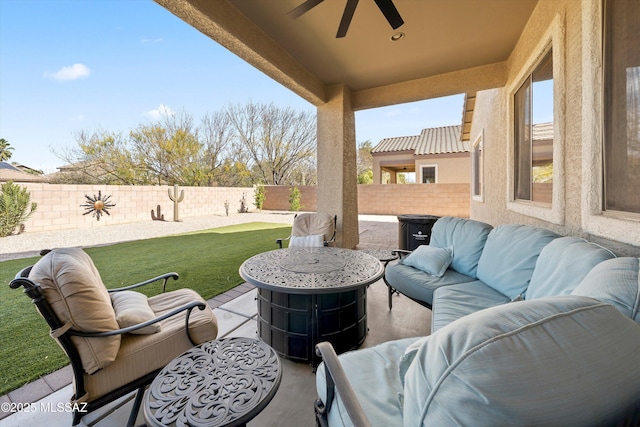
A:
(449, 46)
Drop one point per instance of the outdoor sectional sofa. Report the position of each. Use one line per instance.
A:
(528, 328)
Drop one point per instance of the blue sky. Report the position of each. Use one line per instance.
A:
(73, 65)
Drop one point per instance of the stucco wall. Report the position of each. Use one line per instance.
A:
(454, 168)
(575, 164)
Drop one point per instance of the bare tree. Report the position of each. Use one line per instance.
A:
(216, 133)
(275, 139)
(238, 146)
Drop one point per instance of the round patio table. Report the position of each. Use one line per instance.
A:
(309, 295)
(225, 382)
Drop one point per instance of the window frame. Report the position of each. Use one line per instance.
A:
(553, 39)
(613, 225)
(435, 172)
(477, 168)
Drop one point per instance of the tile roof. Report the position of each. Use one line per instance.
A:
(542, 131)
(439, 140)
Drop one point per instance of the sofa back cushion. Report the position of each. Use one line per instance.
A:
(566, 361)
(563, 264)
(72, 286)
(466, 236)
(509, 257)
(615, 282)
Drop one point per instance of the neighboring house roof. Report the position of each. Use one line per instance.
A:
(11, 173)
(7, 166)
(445, 139)
(542, 131)
(27, 169)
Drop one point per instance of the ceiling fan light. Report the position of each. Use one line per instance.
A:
(397, 36)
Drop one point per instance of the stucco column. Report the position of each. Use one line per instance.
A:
(337, 175)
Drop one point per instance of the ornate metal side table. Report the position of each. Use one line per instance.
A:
(224, 382)
(309, 295)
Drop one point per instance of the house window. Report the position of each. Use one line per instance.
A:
(477, 173)
(622, 106)
(428, 174)
(533, 131)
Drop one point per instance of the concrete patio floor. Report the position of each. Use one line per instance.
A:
(236, 312)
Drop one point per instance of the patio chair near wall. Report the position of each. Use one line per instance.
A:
(117, 340)
(311, 229)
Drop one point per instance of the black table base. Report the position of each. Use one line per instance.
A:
(292, 324)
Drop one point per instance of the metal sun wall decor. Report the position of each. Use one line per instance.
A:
(96, 206)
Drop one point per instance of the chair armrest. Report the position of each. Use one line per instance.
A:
(401, 253)
(335, 230)
(164, 277)
(279, 241)
(337, 378)
(187, 307)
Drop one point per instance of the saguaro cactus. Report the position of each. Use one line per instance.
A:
(175, 199)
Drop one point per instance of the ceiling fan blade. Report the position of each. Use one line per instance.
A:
(349, 9)
(303, 8)
(390, 12)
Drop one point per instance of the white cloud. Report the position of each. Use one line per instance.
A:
(148, 40)
(76, 71)
(78, 118)
(160, 112)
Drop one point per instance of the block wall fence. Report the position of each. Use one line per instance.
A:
(386, 199)
(59, 205)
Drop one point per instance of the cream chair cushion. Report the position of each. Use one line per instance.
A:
(132, 308)
(73, 287)
(142, 354)
(306, 224)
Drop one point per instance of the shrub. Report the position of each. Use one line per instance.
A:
(15, 208)
(294, 199)
(259, 196)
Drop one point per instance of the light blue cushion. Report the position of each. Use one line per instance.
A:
(467, 238)
(562, 264)
(373, 374)
(557, 361)
(510, 255)
(430, 259)
(450, 303)
(616, 282)
(419, 285)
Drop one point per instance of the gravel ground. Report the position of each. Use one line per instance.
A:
(29, 244)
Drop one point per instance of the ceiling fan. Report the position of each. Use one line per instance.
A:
(386, 7)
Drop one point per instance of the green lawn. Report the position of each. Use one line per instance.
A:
(207, 261)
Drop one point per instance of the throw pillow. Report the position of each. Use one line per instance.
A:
(315, 241)
(133, 308)
(430, 259)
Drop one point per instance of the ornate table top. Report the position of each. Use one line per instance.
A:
(224, 382)
(311, 270)
(384, 255)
